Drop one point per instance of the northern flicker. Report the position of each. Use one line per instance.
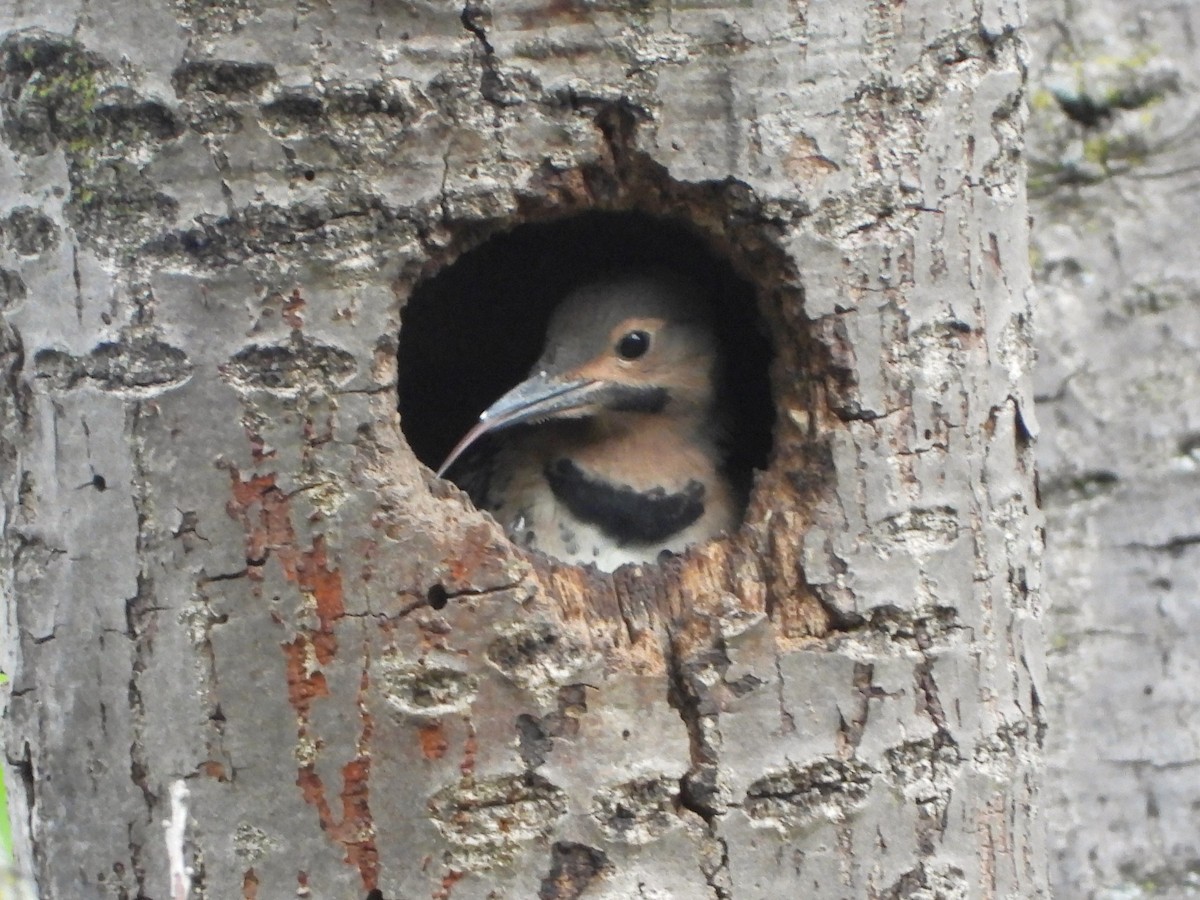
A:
(610, 451)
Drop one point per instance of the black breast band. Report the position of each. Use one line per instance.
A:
(625, 515)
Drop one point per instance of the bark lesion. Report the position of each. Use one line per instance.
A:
(573, 867)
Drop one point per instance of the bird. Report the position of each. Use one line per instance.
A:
(611, 451)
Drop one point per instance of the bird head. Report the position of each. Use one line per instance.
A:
(635, 345)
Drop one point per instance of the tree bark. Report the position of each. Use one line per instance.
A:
(236, 602)
(1113, 179)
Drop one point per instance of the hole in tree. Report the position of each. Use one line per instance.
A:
(437, 596)
(473, 330)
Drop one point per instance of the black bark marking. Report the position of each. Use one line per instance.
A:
(626, 515)
(572, 868)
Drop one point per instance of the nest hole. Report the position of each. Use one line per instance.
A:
(473, 329)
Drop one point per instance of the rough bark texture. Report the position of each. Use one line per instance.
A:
(223, 563)
(1114, 177)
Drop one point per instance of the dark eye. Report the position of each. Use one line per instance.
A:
(633, 345)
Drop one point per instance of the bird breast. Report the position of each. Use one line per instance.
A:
(624, 499)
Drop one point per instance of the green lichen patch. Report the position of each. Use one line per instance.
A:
(1099, 116)
(56, 93)
(49, 90)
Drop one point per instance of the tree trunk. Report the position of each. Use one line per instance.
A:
(1113, 177)
(238, 603)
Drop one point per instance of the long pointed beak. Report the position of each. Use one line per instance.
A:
(534, 399)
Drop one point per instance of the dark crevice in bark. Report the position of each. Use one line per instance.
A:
(226, 576)
(437, 596)
(476, 592)
(700, 787)
(472, 14)
(618, 122)
(136, 863)
(218, 765)
(12, 360)
(496, 88)
(717, 876)
(78, 284)
(365, 392)
(851, 731)
(942, 748)
(1038, 714)
(573, 867)
(928, 699)
(910, 627)
(533, 741)
(141, 613)
(1175, 546)
(1090, 483)
(22, 767)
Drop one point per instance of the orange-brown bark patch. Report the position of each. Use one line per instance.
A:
(265, 513)
(433, 741)
(313, 574)
(249, 885)
(303, 686)
(471, 555)
(356, 829)
(356, 832)
(449, 880)
(312, 789)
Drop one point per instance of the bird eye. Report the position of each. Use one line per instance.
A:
(633, 345)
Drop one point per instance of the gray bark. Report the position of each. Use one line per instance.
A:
(1114, 172)
(224, 565)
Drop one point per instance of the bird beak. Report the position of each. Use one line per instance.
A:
(538, 397)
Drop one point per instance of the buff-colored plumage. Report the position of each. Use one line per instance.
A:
(610, 451)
